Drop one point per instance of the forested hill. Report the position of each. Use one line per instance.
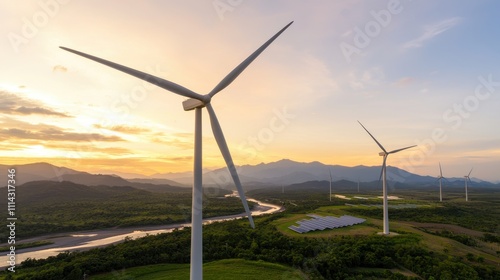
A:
(48, 207)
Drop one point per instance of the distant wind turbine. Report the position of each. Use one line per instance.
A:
(440, 178)
(196, 102)
(467, 178)
(385, 154)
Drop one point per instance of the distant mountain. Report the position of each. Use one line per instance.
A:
(156, 181)
(288, 172)
(37, 171)
(176, 175)
(283, 172)
(88, 179)
(113, 180)
(55, 191)
(47, 172)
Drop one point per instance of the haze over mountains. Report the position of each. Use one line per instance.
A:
(283, 172)
(47, 172)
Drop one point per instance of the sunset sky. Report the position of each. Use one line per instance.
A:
(421, 73)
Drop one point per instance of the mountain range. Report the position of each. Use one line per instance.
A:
(47, 172)
(283, 172)
(286, 172)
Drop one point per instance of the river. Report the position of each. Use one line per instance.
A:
(85, 240)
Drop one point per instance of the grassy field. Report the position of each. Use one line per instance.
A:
(482, 250)
(217, 270)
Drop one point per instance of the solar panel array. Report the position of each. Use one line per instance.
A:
(320, 223)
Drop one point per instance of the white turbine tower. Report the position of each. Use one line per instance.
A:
(196, 102)
(440, 178)
(467, 178)
(385, 154)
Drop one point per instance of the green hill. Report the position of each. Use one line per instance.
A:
(217, 270)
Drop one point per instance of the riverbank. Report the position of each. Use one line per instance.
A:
(85, 240)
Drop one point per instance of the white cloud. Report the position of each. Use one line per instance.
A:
(432, 31)
(369, 78)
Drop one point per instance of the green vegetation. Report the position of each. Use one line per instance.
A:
(474, 215)
(334, 257)
(462, 238)
(488, 237)
(52, 207)
(217, 270)
(427, 246)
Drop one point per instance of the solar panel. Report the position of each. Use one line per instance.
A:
(320, 223)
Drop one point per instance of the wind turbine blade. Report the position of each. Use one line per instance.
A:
(399, 150)
(170, 86)
(382, 170)
(380, 145)
(221, 142)
(440, 170)
(329, 170)
(470, 172)
(237, 71)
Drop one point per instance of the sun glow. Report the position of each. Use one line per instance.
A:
(37, 150)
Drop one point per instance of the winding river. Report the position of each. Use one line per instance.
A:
(97, 238)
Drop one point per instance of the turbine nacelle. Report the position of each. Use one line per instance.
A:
(192, 104)
(382, 154)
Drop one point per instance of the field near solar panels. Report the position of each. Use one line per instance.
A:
(463, 230)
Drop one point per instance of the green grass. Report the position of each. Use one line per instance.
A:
(217, 270)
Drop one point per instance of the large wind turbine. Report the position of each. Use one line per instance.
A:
(467, 178)
(385, 154)
(196, 102)
(440, 178)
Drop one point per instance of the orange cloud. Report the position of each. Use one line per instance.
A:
(14, 104)
(123, 128)
(59, 68)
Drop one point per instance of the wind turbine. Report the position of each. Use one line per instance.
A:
(196, 102)
(467, 178)
(385, 154)
(329, 170)
(440, 178)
